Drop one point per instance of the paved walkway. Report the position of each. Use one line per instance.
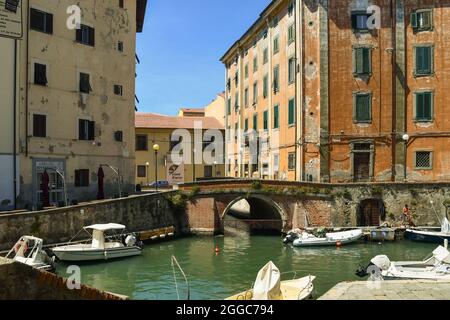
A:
(389, 290)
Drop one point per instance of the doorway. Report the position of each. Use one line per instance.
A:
(362, 162)
(371, 213)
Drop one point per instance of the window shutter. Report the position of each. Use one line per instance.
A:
(359, 61)
(265, 120)
(275, 117)
(49, 23)
(366, 60)
(427, 105)
(91, 130)
(354, 21)
(81, 130)
(291, 112)
(414, 23)
(92, 36)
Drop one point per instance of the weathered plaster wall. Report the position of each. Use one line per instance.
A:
(138, 213)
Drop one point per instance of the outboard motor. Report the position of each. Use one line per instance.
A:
(361, 271)
(130, 240)
(290, 237)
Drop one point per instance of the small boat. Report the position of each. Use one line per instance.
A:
(28, 250)
(382, 234)
(435, 267)
(100, 247)
(430, 236)
(306, 239)
(268, 286)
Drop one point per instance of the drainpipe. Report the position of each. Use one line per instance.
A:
(299, 90)
(394, 90)
(27, 86)
(15, 126)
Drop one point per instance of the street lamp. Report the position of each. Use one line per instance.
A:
(147, 164)
(405, 139)
(156, 149)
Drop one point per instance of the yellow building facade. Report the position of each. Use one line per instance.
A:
(154, 129)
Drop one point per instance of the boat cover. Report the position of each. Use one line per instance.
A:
(268, 283)
(442, 255)
(105, 227)
(381, 262)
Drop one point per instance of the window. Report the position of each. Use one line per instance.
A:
(86, 130)
(208, 171)
(120, 46)
(246, 97)
(246, 124)
(291, 70)
(265, 32)
(118, 90)
(276, 45)
(265, 55)
(276, 74)
(424, 60)
(291, 161)
(121, 4)
(255, 92)
(118, 136)
(236, 129)
(255, 64)
(86, 35)
(40, 74)
(236, 101)
(422, 20)
(229, 84)
(246, 71)
(39, 125)
(362, 61)
(266, 120)
(423, 106)
(276, 119)
(362, 108)
(291, 112)
(423, 160)
(141, 171)
(265, 86)
(141, 142)
(255, 122)
(290, 9)
(41, 21)
(82, 178)
(236, 79)
(291, 33)
(85, 85)
(229, 106)
(359, 21)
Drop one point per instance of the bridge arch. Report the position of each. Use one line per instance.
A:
(254, 214)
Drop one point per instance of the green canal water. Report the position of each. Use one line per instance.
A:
(234, 269)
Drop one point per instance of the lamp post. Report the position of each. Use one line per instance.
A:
(156, 149)
(147, 164)
(405, 139)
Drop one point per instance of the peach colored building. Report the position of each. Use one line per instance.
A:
(339, 97)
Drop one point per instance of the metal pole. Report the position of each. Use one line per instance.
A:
(15, 127)
(156, 170)
(406, 163)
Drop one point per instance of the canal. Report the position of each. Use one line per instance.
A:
(234, 269)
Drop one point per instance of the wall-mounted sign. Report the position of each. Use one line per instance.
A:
(11, 19)
(175, 173)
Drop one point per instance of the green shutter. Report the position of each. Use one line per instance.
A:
(246, 71)
(265, 86)
(255, 64)
(424, 101)
(255, 121)
(363, 108)
(363, 63)
(276, 123)
(265, 120)
(229, 106)
(275, 78)
(424, 60)
(414, 23)
(291, 112)
(366, 60)
(246, 125)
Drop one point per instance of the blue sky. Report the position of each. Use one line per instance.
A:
(180, 49)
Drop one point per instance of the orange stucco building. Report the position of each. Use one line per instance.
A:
(344, 90)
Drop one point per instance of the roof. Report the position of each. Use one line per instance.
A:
(141, 6)
(254, 26)
(152, 120)
(105, 227)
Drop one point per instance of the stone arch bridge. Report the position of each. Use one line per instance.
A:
(280, 205)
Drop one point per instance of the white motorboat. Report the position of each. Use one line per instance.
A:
(436, 267)
(306, 239)
(268, 286)
(430, 236)
(28, 250)
(118, 245)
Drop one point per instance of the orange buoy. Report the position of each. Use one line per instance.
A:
(217, 250)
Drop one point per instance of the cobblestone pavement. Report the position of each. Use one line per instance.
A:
(390, 290)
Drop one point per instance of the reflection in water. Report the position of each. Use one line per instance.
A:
(234, 269)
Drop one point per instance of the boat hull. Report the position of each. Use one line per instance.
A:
(310, 242)
(426, 236)
(96, 254)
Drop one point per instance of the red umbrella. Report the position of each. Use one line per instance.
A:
(101, 191)
(44, 188)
